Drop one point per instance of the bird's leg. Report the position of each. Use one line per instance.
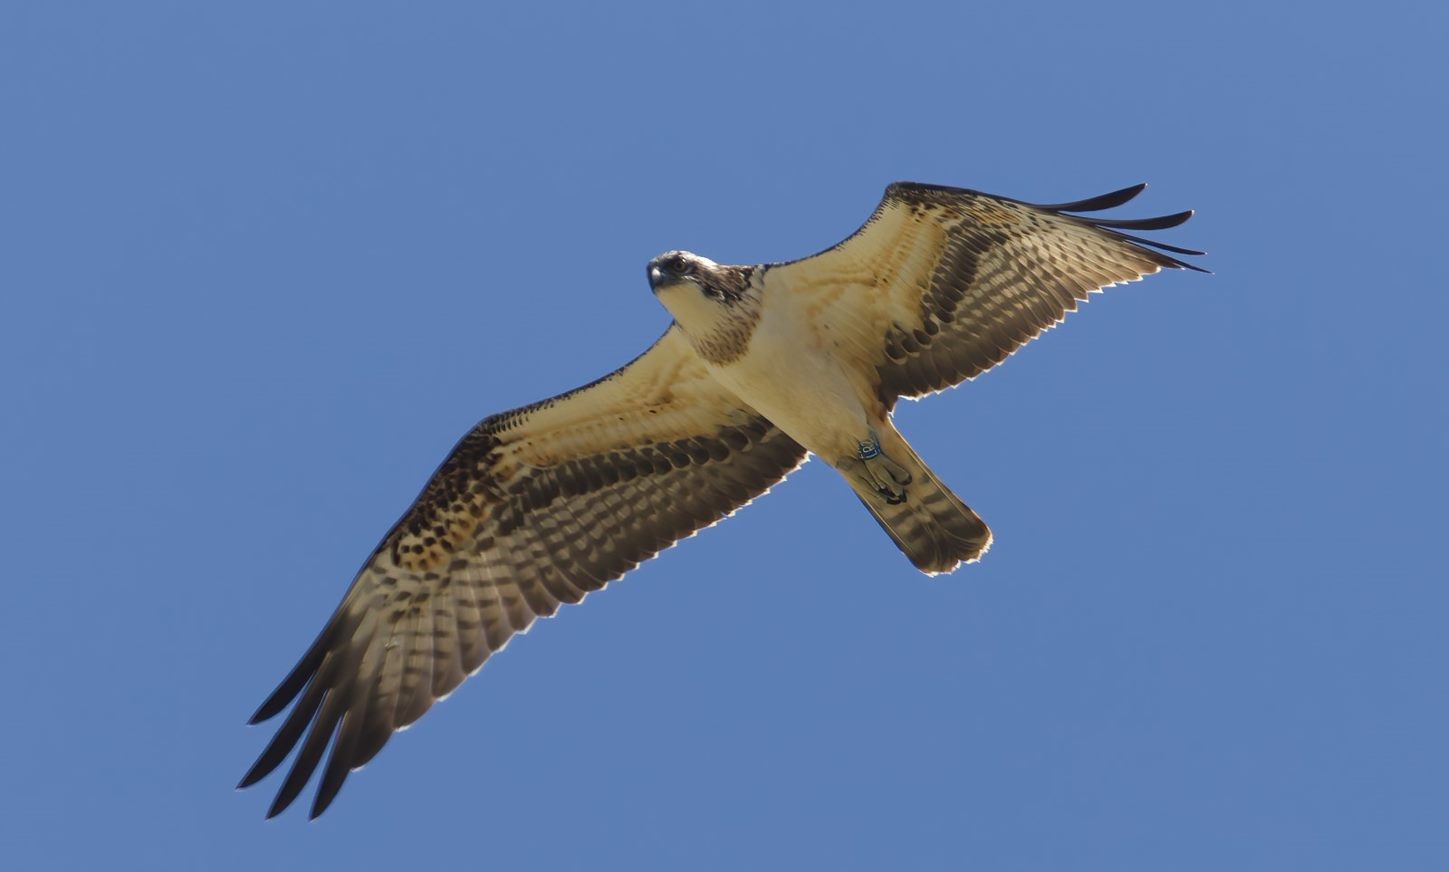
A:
(885, 475)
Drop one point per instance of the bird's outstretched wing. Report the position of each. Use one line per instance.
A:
(941, 284)
(534, 508)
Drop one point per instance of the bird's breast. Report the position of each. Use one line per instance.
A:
(792, 377)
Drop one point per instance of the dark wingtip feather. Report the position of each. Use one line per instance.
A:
(344, 751)
(320, 804)
(307, 759)
(1161, 222)
(1113, 226)
(1097, 204)
(330, 698)
(339, 626)
(1171, 262)
(253, 775)
(1192, 252)
(278, 699)
(333, 776)
(285, 740)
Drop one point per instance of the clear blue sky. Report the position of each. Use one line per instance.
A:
(261, 265)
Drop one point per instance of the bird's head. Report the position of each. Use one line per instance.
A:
(681, 270)
(698, 292)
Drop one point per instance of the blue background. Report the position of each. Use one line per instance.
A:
(263, 263)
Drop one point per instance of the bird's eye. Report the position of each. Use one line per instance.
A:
(681, 267)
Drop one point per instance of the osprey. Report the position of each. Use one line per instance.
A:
(762, 366)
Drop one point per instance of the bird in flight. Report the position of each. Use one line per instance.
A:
(761, 366)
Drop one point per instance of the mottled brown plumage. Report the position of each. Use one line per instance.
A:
(965, 278)
(540, 506)
(506, 531)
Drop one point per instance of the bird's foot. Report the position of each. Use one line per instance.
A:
(885, 475)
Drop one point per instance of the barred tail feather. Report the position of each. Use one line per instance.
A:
(932, 527)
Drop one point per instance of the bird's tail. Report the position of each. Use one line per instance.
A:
(932, 526)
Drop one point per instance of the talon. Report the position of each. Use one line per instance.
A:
(897, 472)
(887, 477)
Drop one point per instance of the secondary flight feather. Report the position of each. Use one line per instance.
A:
(762, 366)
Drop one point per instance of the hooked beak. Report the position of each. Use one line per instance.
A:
(660, 279)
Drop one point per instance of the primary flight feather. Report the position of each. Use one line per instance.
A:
(761, 366)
